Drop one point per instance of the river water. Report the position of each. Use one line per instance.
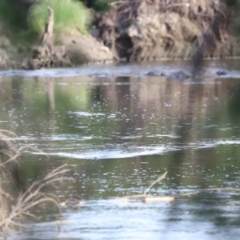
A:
(121, 131)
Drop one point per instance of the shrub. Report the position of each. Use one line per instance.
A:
(99, 5)
(13, 13)
(68, 15)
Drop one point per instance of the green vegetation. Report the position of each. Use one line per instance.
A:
(13, 22)
(13, 13)
(99, 5)
(68, 15)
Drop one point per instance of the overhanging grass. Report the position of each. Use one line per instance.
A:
(68, 15)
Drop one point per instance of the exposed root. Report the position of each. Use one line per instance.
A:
(46, 55)
(158, 29)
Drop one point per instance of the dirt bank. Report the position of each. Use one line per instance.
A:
(68, 50)
(73, 49)
(137, 30)
(157, 29)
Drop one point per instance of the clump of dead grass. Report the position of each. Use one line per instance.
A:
(13, 209)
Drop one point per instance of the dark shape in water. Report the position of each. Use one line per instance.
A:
(221, 73)
(155, 74)
(180, 75)
(98, 75)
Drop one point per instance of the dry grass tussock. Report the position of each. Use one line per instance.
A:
(15, 209)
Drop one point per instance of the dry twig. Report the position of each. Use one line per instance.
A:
(148, 198)
(144, 196)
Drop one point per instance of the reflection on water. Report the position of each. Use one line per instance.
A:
(122, 134)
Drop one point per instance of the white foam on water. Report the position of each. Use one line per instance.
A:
(114, 153)
(108, 71)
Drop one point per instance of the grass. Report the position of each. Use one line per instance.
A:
(16, 207)
(68, 15)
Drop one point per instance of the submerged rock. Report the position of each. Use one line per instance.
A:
(180, 75)
(221, 73)
(155, 74)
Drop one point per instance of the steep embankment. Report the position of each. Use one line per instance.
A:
(156, 29)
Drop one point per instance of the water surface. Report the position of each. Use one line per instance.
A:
(121, 133)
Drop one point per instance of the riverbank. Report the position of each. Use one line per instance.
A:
(135, 31)
(78, 48)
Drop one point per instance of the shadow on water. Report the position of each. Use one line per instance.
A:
(121, 134)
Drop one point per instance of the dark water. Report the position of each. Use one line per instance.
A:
(122, 133)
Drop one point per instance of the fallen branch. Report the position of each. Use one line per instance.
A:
(150, 198)
(144, 196)
(158, 180)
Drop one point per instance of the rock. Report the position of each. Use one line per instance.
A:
(98, 75)
(221, 73)
(154, 74)
(180, 75)
(4, 42)
(25, 63)
(86, 49)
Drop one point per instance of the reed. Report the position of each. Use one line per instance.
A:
(14, 209)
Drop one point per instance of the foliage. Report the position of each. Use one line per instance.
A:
(98, 5)
(13, 13)
(68, 15)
